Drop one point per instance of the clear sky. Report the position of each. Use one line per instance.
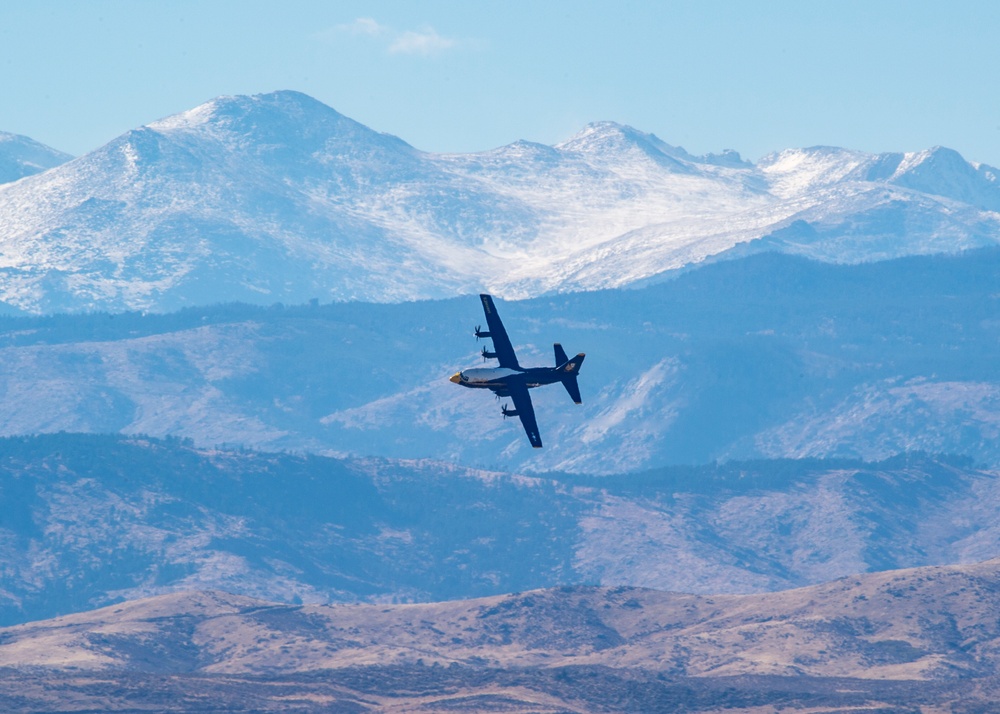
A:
(468, 76)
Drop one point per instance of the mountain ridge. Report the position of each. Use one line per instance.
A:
(279, 198)
(100, 519)
(22, 156)
(891, 641)
(765, 356)
(587, 625)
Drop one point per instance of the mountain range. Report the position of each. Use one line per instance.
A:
(225, 339)
(93, 520)
(279, 198)
(767, 356)
(913, 640)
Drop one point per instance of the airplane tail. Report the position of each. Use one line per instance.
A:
(561, 357)
(569, 368)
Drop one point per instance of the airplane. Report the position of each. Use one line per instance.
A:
(512, 380)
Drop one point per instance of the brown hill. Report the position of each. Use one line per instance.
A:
(927, 636)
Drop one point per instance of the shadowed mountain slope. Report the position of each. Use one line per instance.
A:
(88, 521)
(769, 356)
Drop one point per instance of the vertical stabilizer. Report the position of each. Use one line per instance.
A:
(561, 357)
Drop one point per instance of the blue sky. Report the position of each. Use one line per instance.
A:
(469, 76)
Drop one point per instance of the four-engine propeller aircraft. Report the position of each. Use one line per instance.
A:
(512, 380)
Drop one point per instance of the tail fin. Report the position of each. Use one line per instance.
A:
(561, 357)
(570, 368)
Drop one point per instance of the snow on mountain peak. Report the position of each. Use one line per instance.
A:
(290, 120)
(22, 156)
(936, 158)
(279, 197)
(609, 141)
(188, 120)
(944, 172)
(795, 170)
(225, 108)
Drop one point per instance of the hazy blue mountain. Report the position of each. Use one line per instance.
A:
(90, 520)
(766, 356)
(21, 156)
(277, 197)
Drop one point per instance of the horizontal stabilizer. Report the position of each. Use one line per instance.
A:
(573, 388)
(569, 369)
(572, 366)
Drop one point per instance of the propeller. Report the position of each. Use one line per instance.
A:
(508, 412)
(478, 332)
(487, 354)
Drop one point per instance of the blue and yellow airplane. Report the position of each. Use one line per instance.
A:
(512, 380)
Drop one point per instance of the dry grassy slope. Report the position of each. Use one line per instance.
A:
(932, 623)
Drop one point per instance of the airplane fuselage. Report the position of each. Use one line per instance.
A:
(497, 379)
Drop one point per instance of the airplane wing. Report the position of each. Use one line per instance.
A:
(501, 343)
(522, 404)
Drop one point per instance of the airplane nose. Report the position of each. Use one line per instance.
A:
(456, 378)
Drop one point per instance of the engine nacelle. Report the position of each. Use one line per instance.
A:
(480, 334)
(488, 355)
(508, 412)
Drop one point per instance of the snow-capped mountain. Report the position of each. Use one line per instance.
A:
(277, 197)
(21, 156)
